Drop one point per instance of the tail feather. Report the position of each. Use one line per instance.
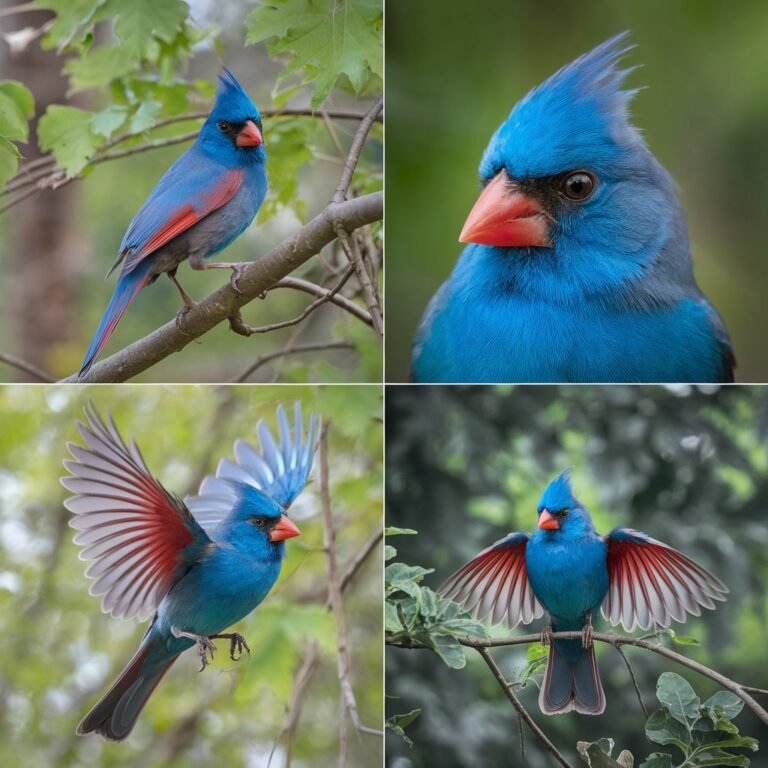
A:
(125, 292)
(116, 714)
(571, 684)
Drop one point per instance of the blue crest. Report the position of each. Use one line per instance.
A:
(578, 115)
(232, 102)
(558, 494)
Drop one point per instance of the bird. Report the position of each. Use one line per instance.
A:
(578, 264)
(203, 202)
(197, 565)
(568, 570)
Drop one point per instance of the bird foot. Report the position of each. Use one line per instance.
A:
(237, 273)
(546, 636)
(204, 645)
(181, 316)
(586, 635)
(237, 643)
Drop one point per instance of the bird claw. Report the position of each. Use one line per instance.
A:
(586, 634)
(180, 315)
(204, 647)
(237, 273)
(238, 643)
(546, 636)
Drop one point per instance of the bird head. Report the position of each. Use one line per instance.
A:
(559, 509)
(567, 177)
(257, 523)
(233, 128)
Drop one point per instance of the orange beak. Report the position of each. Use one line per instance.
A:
(249, 136)
(547, 522)
(503, 215)
(285, 529)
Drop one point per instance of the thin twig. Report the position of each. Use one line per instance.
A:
(305, 286)
(20, 8)
(521, 710)
(337, 605)
(238, 326)
(30, 368)
(615, 640)
(357, 147)
(284, 352)
(633, 678)
(361, 557)
(349, 244)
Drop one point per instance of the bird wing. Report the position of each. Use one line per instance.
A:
(281, 471)
(651, 583)
(193, 187)
(496, 581)
(129, 525)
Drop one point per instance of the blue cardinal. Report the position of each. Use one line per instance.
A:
(571, 572)
(197, 566)
(579, 267)
(205, 200)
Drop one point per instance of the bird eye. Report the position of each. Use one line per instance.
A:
(578, 186)
(260, 522)
(561, 513)
(223, 126)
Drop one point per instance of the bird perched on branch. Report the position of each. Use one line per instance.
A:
(569, 571)
(205, 200)
(197, 566)
(578, 267)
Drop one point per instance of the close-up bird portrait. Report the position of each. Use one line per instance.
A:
(589, 234)
(206, 582)
(610, 612)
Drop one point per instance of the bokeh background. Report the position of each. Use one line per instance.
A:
(56, 246)
(467, 465)
(60, 652)
(454, 72)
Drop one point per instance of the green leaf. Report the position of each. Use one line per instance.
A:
(106, 122)
(685, 640)
(139, 21)
(99, 67)
(391, 619)
(398, 724)
(657, 760)
(718, 758)
(405, 578)
(597, 754)
(73, 22)
(676, 694)
(66, 131)
(724, 704)
(21, 95)
(9, 160)
(13, 124)
(739, 742)
(327, 39)
(662, 728)
(144, 117)
(389, 552)
(449, 650)
(536, 651)
(392, 531)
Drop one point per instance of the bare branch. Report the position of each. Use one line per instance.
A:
(264, 359)
(615, 640)
(257, 277)
(357, 147)
(23, 365)
(238, 326)
(633, 678)
(521, 710)
(349, 244)
(317, 290)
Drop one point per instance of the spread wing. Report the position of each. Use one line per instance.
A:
(496, 582)
(651, 583)
(281, 471)
(191, 189)
(137, 533)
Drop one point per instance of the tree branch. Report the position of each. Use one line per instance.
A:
(23, 365)
(357, 147)
(616, 641)
(285, 351)
(317, 290)
(257, 277)
(521, 710)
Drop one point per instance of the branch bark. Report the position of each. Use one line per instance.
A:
(616, 641)
(257, 277)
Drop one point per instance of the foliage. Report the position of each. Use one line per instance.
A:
(17, 106)
(327, 39)
(466, 465)
(62, 652)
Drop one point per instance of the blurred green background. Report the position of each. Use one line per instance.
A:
(61, 652)
(454, 72)
(466, 465)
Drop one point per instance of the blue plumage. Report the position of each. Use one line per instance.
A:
(205, 200)
(578, 266)
(199, 566)
(568, 570)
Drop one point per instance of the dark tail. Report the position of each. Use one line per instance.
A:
(571, 684)
(125, 291)
(115, 715)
